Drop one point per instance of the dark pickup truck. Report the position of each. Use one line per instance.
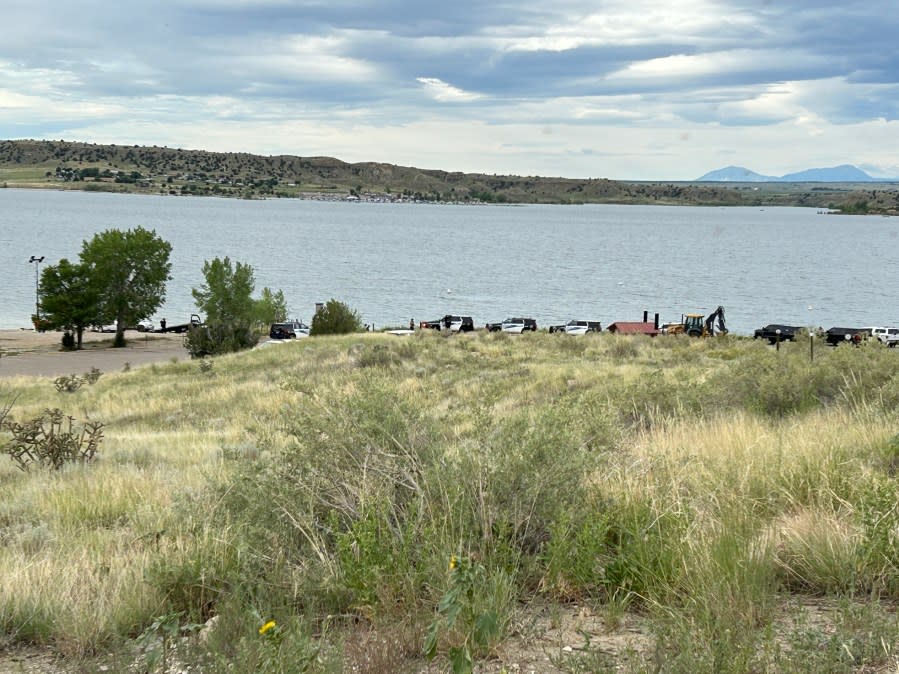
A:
(787, 333)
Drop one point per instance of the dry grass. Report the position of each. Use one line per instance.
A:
(712, 503)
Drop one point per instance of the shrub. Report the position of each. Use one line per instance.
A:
(215, 339)
(68, 383)
(335, 318)
(93, 376)
(377, 356)
(72, 382)
(52, 440)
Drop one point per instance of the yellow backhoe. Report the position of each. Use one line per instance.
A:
(697, 325)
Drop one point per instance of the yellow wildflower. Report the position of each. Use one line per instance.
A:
(267, 626)
(454, 562)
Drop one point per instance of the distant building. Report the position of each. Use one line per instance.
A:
(635, 328)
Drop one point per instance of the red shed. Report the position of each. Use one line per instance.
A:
(635, 328)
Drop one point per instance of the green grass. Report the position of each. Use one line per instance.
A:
(703, 485)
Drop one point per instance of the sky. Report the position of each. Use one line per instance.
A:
(619, 89)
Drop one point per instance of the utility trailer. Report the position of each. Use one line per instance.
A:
(195, 322)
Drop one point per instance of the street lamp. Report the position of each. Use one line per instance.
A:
(37, 297)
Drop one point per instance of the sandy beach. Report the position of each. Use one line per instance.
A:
(36, 354)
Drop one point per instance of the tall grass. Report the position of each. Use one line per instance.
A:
(330, 483)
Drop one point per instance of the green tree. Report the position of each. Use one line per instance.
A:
(128, 270)
(271, 307)
(335, 318)
(226, 296)
(69, 300)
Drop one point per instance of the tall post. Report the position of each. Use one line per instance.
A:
(37, 296)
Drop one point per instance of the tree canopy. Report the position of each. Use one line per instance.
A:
(128, 270)
(232, 315)
(271, 307)
(69, 300)
(226, 296)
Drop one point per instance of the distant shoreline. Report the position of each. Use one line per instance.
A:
(34, 164)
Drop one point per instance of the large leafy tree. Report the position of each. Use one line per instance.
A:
(232, 315)
(271, 307)
(226, 296)
(69, 300)
(129, 271)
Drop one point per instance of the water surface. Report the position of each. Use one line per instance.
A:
(393, 262)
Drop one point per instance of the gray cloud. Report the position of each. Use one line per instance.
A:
(354, 64)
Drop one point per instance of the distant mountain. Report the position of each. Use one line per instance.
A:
(736, 174)
(845, 173)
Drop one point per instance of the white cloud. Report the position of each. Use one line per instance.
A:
(445, 93)
(632, 24)
(679, 67)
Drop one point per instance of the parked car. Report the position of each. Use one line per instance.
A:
(451, 323)
(288, 330)
(888, 336)
(836, 336)
(514, 326)
(575, 327)
(141, 326)
(777, 331)
(431, 325)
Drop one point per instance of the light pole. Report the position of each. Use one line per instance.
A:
(37, 297)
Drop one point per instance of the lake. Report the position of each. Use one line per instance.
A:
(393, 262)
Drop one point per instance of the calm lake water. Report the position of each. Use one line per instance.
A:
(393, 262)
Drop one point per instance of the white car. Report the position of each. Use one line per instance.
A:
(577, 327)
(513, 326)
(451, 323)
(888, 336)
(288, 330)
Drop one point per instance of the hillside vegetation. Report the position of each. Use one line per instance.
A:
(162, 170)
(360, 503)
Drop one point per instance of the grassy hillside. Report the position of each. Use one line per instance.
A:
(681, 505)
(161, 170)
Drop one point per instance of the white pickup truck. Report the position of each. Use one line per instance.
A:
(888, 336)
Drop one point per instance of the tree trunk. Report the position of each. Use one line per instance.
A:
(79, 331)
(119, 340)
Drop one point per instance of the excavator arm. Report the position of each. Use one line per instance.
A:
(710, 328)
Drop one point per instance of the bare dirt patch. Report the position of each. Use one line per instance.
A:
(35, 354)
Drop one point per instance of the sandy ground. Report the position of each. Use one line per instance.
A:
(30, 353)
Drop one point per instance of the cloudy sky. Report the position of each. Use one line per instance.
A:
(622, 89)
